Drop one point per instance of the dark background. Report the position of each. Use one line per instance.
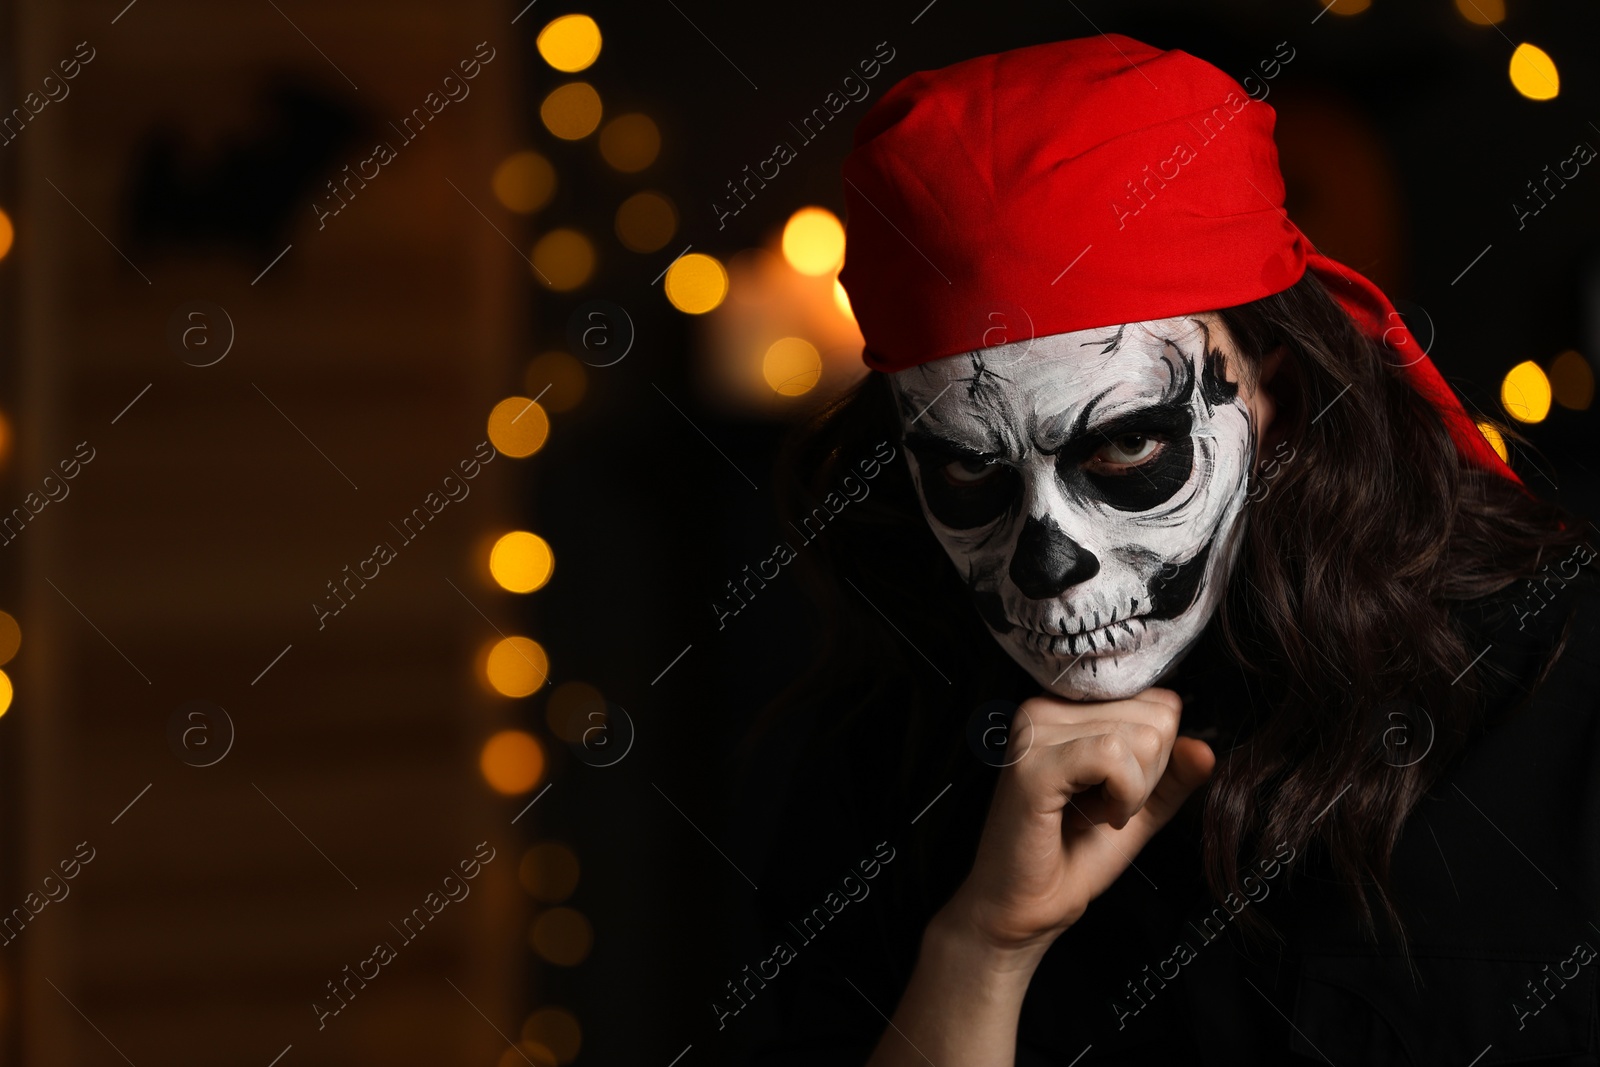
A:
(386, 338)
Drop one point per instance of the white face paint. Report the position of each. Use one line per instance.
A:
(1088, 486)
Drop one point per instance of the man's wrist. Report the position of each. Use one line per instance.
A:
(958, 942)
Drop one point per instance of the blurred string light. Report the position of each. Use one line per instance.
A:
(630, 143)
(563, 259)
(782, 334)
(524, 182)
(696, 283)
(1348, 7)
(10, 637)
(570, 43)
(571, 111)
(562, 936)
(516, 666)
(518, 426)
(521, 562)
(556, 1029)
(558, 379)
(512, 762)
(8, 234)
(792, 366)
(1533, 73)
(549, 872)
(646, 222)
(1571, 382)
(813, 241)
(1482, 12)
(10, 642)
(1525, 392)
(1496, 439)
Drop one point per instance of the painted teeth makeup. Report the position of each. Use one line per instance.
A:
(1088, 486)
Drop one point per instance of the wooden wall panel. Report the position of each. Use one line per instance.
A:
(197, 538)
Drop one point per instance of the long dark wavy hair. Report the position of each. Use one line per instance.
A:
(1344, 603)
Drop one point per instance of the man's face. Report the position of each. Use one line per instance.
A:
(1088, 486)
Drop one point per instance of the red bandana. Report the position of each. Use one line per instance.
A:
(1078, 184)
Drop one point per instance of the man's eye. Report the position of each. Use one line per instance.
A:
(964, 472)
(1126, 450)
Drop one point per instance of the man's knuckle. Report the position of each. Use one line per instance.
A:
(1112, 746)
(1148, 740)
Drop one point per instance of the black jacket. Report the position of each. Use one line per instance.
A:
(1497, 877)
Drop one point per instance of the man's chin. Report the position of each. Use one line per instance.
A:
(1111, 681)
(1099, 677)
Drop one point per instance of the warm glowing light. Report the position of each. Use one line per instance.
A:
(813, 241)
(518, 427)
(1571, 382)
(1482, 12)
(841, 300)
(630, 143)
(8, 233)
(557, 1030)
(10, 637)
(1525, 393)
(1349, 7)
(512, 762)
(521, 561)
(570, 43)
(1496, 439)
(571, 111)
(696, 283)
(5, 439)
(563, 259)
(562, 936)
(559, 377)
(516, 666)
(574, 707)
(549, 872)
(6, 692)
(1533, 73)
(646, 222)
(524, 182)
(791, 366)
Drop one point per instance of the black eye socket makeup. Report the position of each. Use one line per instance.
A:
(1141, 486)
(990, 485)
(962, 506)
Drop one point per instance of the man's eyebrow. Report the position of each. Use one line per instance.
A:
(1082, 420)
(922, 441)
(1162, 413)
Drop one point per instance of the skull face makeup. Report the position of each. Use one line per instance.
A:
(1088, 486)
